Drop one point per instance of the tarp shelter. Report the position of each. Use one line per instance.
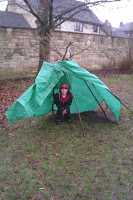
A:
(89, 92)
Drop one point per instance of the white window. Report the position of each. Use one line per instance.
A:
(95, 28)
(59, 26)
(78, 26)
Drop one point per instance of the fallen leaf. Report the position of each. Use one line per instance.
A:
(50, 161)
(10, 134)
(2, 195)
(78, 178)
(70, 171)
(87, 153)
(42, 188)
(30, 174)
(26, 156)
(34, 167)
(40, 174)
(57, 154)
(98, 167)
(40, 182)
(37, 160)
(84, 194)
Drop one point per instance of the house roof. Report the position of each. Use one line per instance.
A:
(35, 4)
(87, 16)
(13, 20)
(59, 6)
(115, 32)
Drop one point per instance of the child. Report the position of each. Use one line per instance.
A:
(63, 100)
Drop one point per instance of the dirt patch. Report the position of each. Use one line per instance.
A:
(10, 91)
(110, 72)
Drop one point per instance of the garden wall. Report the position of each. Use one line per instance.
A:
(101, 51)
(19, 51)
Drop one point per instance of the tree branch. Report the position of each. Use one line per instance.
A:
(94, 3)
(66, 50)
(33, 12)
(77, 53)
(84, 4)
(62, 21)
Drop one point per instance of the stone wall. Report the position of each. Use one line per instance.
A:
(19, 53)
(101, 51)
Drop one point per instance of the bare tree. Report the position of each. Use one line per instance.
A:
(52, 13)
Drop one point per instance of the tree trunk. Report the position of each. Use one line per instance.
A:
(44, 47)
(130, 57)
(43, 29)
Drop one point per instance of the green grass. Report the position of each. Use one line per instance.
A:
(40, 160)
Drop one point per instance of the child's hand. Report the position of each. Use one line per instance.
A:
(64, 112)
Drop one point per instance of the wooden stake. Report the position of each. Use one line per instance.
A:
(77, 107)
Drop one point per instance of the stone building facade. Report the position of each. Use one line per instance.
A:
(68, 25)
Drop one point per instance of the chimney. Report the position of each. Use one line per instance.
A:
(107, 23)
(121, 24)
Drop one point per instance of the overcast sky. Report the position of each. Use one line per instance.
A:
(114, 12)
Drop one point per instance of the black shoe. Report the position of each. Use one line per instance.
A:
(58, 122)
(69, 121)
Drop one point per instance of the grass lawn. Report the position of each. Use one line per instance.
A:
(41, 160)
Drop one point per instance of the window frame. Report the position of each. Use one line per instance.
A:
(95, 28)
(59, 26)
(78, 26)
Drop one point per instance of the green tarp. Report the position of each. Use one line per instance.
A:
(38, 99)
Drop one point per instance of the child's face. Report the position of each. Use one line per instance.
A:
(64, 91)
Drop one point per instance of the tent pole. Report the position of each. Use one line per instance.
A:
(124, 101)
(96, 100)
(121, 101)
(77, 107)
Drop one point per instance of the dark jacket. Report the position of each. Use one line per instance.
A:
(60, 104)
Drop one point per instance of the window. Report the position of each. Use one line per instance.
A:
(78, 26)
(95, 28)
(59, 26)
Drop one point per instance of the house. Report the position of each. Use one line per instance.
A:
(83, 22)
(127, 28)
(113, 32)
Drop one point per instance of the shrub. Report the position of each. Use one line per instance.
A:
(126, 65)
